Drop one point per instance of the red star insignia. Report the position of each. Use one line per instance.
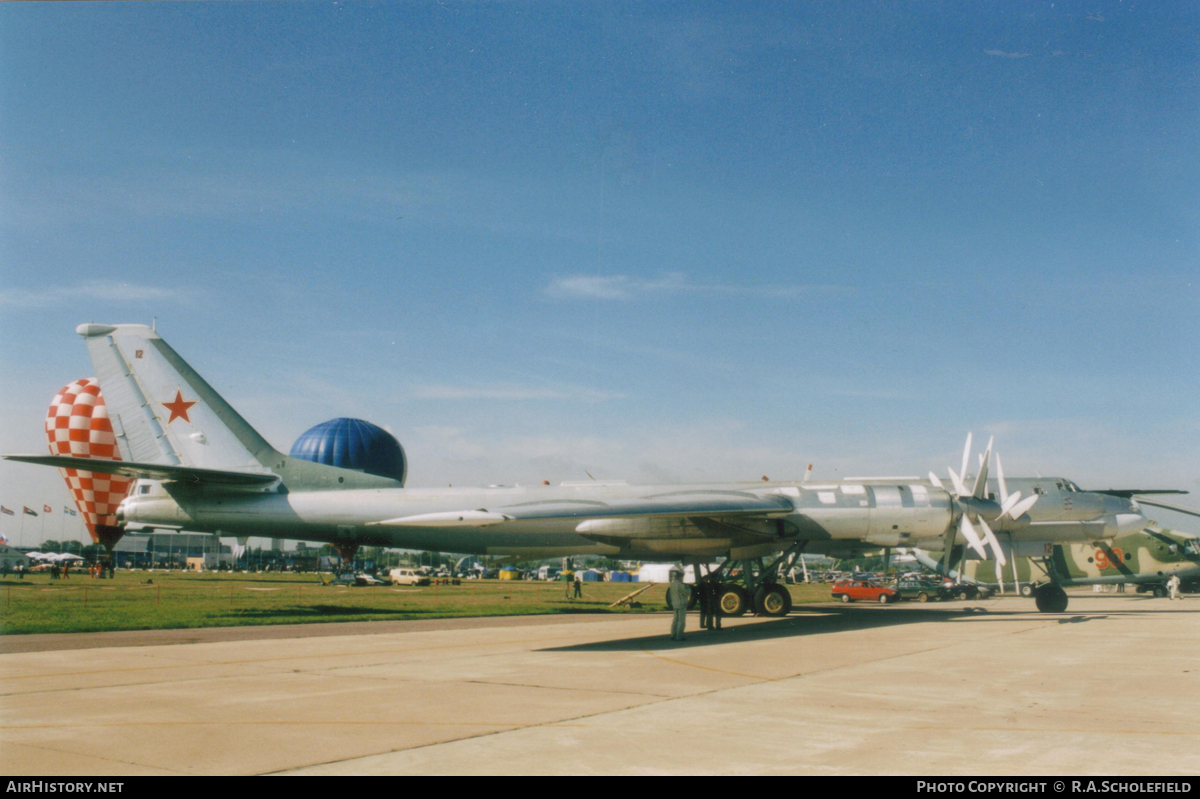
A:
(178, 407)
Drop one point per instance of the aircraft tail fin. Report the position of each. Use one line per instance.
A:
(162, 411)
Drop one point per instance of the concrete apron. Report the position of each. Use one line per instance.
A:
(1110, 687)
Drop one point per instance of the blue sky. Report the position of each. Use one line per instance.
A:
(657, 241)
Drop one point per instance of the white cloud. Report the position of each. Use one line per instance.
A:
(1002, 54)
(511, 392)
(108, 290)
(624, 287)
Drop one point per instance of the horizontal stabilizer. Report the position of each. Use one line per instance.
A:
(152, 471)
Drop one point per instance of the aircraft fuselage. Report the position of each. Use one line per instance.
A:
(828, 515)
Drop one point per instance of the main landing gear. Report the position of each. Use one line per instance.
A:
(759, 589)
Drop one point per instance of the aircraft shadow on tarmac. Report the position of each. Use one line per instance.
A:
(823, 620)
(383, 613)
(377, 613)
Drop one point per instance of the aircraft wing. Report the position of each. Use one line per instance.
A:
(152, 471)
(1127, 493)
(1169, 505)
(683, 504)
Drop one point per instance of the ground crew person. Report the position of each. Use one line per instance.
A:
(578, 585)
(678, 596)
(705, 598)
(1173, 587)
(714, 602)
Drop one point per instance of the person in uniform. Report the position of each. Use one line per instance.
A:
(714, 602)
(705, 601)
(1173, 587)
(578, 585)
(678, 596)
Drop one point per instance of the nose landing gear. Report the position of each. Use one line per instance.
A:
(1050, 598)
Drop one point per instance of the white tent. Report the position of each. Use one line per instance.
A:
(660, 572)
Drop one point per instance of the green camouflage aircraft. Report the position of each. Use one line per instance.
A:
(1146, 559)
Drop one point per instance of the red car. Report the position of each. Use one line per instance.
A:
(850, 590)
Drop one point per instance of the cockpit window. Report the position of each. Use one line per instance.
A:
(1192, 547)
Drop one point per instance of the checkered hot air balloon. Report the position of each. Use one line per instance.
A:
(77, 424)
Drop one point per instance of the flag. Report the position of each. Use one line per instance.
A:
(46, 509)
(3, 539)
(6, 511)
(68, 510)
(28, 512)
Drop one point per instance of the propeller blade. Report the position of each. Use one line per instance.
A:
(959, 488)
(980, 488)
(1009, 503)
(948, 559)
(1019, 509)
(1000, 480)
(968, 531)
(993, 543)
(933, 478)
(966, 462)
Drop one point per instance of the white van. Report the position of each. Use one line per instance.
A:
(405, 576)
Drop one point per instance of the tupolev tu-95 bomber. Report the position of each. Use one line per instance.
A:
(198, 465)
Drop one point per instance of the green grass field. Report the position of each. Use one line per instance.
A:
(180, 600)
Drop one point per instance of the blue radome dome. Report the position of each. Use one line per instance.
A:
(353, 444)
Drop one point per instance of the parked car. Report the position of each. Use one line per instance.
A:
(850, 590)
(966, 591)
(350, 578)
(407, 576)
(922, 590)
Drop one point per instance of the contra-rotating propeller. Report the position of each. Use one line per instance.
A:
(973, 507)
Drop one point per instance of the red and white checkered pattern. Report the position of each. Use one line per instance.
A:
(77, 424)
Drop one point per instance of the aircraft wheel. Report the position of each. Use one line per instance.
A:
(733, 601)
(923, 597)
(1159, 591)
(1027, 590)
(772, 600)
(845, 599)
(1050, 599)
